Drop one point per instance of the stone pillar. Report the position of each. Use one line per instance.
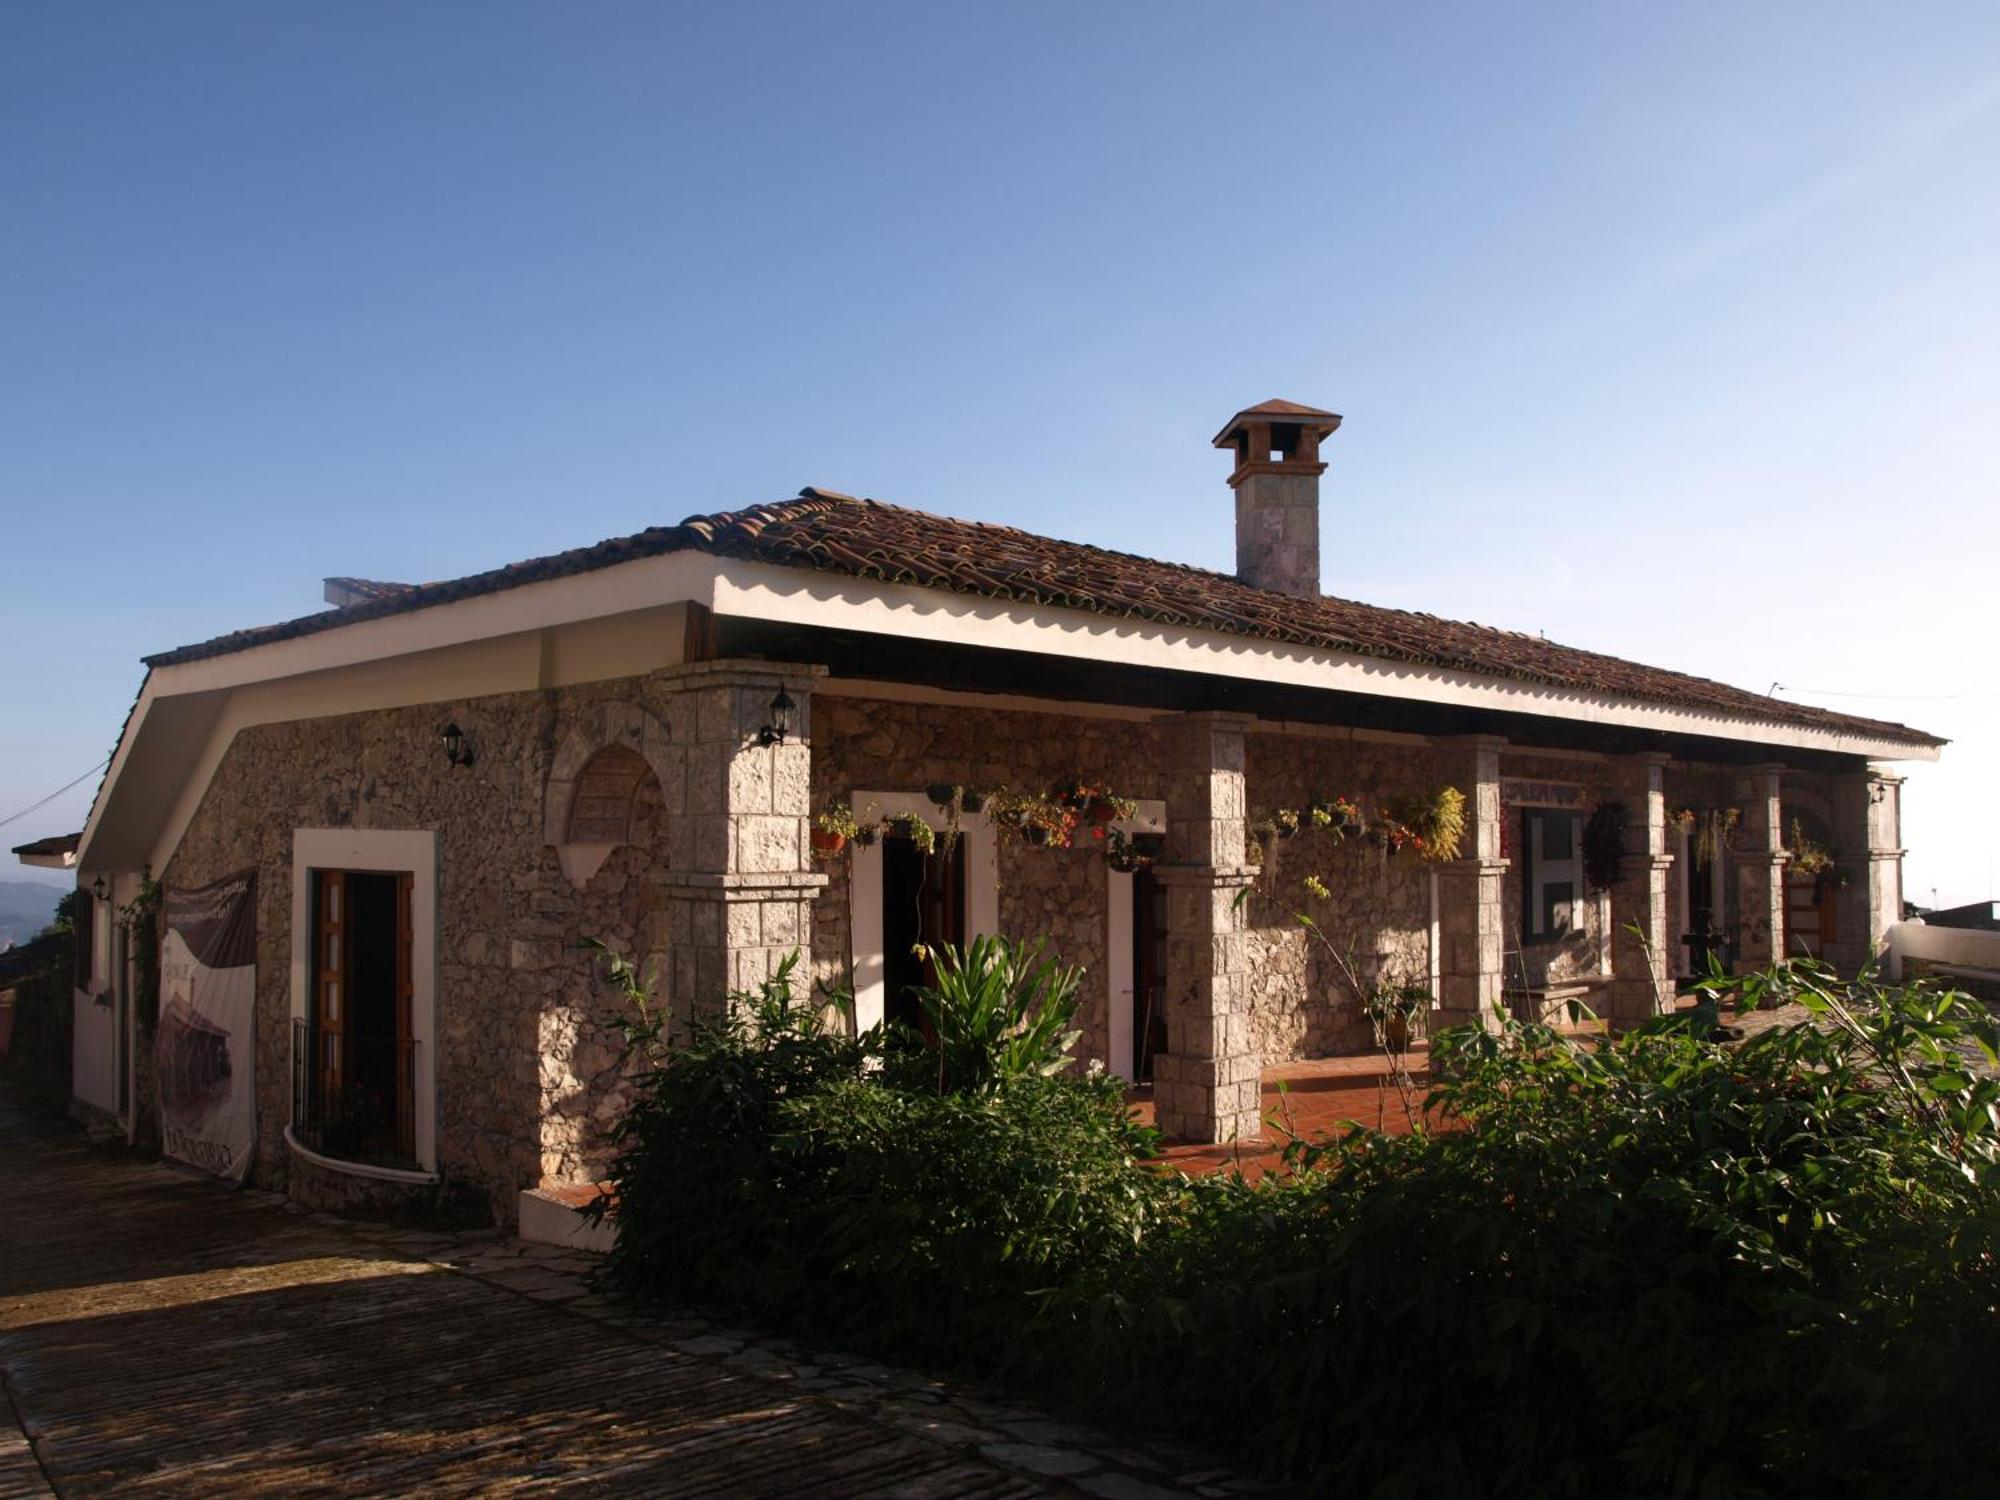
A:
(1877, 885)
(1206, 1085)
(1469, 888)
(1760, 869)
(1642, 936)
(739, 885)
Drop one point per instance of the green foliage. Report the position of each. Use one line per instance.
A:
(38, 1056)
(142, 916)
(999, 1010)
(1657, 1265)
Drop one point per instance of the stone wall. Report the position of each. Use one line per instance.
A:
(1061, 894)
(1378, 904)
(529, 1069)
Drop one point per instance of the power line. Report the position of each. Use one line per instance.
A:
(36, 806)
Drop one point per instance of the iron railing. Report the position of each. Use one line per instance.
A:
(355, 1097)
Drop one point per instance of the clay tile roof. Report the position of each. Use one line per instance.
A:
(831, 532)
(1275, 410)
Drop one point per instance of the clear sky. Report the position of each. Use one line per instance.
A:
(1671, 331)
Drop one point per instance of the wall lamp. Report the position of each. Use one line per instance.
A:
(456, 751)
(780, 725)
(97, 889)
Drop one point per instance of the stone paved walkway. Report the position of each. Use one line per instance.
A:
(162, 1335)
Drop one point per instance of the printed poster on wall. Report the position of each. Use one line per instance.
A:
(203, 1047)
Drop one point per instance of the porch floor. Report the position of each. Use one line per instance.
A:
(1308, 1099)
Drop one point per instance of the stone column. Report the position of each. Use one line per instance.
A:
(1642, 937)
(1206, 1085)
(1760, 869)
(1880, 892)
(739, 885)
(1469, 889)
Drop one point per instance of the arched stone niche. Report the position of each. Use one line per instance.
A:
(604, 760)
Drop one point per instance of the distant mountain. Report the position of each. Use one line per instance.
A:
(26, 907)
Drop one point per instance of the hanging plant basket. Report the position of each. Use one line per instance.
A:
(941, 793)
(1036, 834)
(826, 843)
(971, 801)
(1604, 846)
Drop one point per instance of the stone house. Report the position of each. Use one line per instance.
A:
(443, 789)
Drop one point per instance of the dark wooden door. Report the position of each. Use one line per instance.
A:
(923, 906)
(1149, 972)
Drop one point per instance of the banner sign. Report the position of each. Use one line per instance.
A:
(204, 1045)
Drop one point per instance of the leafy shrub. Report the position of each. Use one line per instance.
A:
(1660, 1266)
(999, 1010)
(1657, 1265)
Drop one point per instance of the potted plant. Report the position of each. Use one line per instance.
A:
(917, 830)
(1048, 822)
(971, 800)
(1604, 846)
(942, 794)
(1808, 858)
(1340, 817)
(1394, 1012)
(1431, 823)
(1286, 820)
(832, 829)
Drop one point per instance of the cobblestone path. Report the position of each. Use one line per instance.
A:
(161, 1335)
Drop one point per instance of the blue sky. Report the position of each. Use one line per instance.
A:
(1669, 331)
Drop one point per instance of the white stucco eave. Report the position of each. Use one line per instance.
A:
(836, 601)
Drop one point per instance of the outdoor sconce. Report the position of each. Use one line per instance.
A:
(780, 724)
(97, 889)
(1877, 791)
(456, 751)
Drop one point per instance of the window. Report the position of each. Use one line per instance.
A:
(1551, 872)
(358, 1095)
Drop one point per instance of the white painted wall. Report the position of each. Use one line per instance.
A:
(1963, 947)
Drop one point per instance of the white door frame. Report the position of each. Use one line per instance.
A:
(1119, 979)
(864, 891)
(391, 851)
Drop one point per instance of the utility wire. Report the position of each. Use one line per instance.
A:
(33, 807)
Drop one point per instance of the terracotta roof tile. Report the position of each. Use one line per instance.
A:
(837, 533)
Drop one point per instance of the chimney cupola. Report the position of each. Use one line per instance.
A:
(1277, 493)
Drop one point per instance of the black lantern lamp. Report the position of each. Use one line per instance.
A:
(99, 890)
(780, 725)
(456, 751)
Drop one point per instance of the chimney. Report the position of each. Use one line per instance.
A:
(1277, 493)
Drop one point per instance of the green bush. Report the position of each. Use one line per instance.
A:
(1661, 1266)
(38, 1056)
(998, 1011)
(772, 1165)
(1654, 1266)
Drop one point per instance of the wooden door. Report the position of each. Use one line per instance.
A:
(1149, 972)
(406, 1053)
(330, 966)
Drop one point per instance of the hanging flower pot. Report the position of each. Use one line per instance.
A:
(866, 835)
(1103, 810)
(941, 793)
(971, 801)
(1036, 834)
(826, 843)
